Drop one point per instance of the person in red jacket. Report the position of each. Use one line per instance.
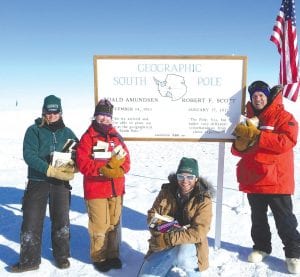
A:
(103, 159)
(266, 171)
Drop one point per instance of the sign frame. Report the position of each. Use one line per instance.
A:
(106, 65)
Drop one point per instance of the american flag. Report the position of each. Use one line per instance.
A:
(284, 35)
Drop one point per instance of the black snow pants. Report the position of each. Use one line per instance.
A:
(34, 206)
(285, 221)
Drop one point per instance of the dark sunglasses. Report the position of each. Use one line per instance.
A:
(52, 113)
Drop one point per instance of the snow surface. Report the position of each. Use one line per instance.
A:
(151, 164)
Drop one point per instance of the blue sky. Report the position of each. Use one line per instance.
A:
(48, 46)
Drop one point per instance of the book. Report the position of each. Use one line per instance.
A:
(100, 150)
(69, 146)
(61, 159)
(166, 223)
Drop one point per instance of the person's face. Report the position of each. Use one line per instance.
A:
(104, 119)
(259, 100)
(186, 182)
(52, 117)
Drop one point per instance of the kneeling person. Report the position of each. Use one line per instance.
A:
(179, 221)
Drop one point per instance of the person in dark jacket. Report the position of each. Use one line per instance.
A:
(46, 182)
(179, 221)
(103, 159)
(266, 171)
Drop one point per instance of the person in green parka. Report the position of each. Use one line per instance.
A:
(46, 182)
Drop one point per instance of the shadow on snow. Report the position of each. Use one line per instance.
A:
(11, 220)
(11, 199)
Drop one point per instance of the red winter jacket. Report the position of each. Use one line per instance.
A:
(96, 186)
(268, 166)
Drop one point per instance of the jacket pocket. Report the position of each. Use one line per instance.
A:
(250, 172)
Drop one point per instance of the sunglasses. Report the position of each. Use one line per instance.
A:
(181, 177)
(52, 113)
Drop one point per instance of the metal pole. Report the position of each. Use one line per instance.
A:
(219, 199)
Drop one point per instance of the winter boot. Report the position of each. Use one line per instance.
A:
(62, 263)
(115, 263)
(102, 266)
(256, 256)
(293, 265)
(18, 268)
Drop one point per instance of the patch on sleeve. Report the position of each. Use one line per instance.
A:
(290, 123)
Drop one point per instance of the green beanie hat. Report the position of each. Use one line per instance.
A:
(52, 104)
(188, 165)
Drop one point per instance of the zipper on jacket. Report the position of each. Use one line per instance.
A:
(54, 141)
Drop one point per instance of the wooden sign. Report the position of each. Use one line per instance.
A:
(176, 98)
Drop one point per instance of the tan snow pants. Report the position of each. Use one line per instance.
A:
(104, 218)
